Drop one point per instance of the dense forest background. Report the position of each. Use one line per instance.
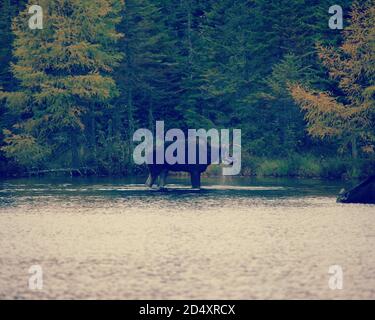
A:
(73, 93)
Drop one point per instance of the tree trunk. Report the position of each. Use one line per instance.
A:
(129, 91)
(130, 127)
(151, 120)
(355, 167)
(187, 6)
(92, 135)
(74, 150)
(354, 148)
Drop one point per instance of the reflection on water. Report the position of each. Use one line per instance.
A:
(237, 238)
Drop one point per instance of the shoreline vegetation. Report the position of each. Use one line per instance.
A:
(296, 166)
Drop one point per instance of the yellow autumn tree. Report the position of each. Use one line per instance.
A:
(65, 74)
(350, 116)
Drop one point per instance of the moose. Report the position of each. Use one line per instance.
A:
(362, 193)
(194, 169)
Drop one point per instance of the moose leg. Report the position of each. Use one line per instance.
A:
(151, 179)
(195, 179)
(163, 178)
(148, 181)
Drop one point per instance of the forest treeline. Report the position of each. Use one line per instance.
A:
(73, 93)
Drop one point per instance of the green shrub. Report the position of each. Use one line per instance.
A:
(334, 168)
(275, 168)
(214, 170)
(309, 167)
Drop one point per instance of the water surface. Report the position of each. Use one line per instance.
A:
(238, 238)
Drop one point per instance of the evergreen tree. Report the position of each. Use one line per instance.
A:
(286, 121)
(185, 26)
(8, 9)
(226, 71)
(64, 74)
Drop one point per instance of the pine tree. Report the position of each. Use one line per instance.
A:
(8, 9)
(146, 77)
(185, 26)
(226, 72)
(286, 121)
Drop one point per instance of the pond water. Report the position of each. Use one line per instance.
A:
(238, 238)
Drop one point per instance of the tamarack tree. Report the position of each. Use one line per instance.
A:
(348, 116)
(64, 74)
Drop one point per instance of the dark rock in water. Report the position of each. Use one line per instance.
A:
(362, 193)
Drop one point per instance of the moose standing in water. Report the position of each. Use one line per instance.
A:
(172, 151)
(195, 168)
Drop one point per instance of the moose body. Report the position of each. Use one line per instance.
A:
(194, 169)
